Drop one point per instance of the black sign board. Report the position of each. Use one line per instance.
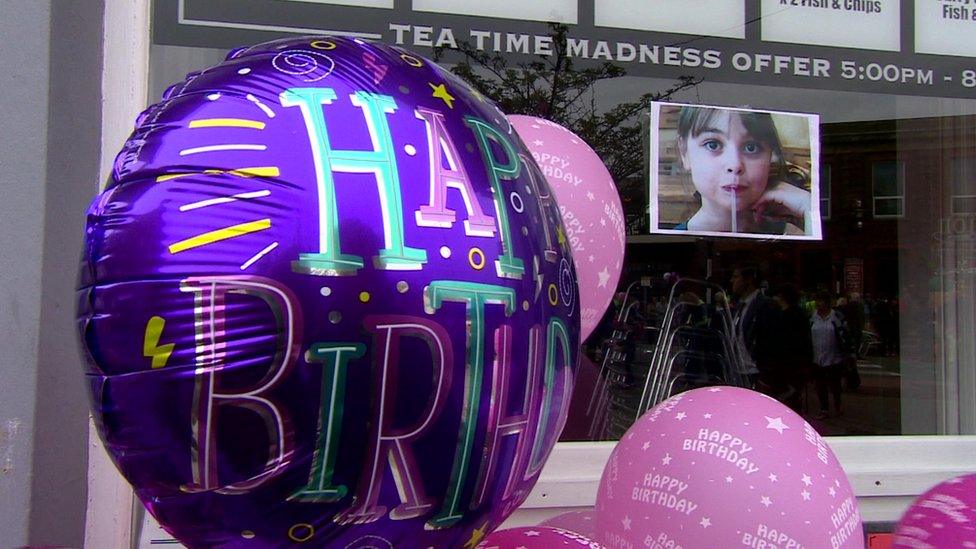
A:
(893, 66)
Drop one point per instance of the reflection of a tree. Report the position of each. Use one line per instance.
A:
(554, 88)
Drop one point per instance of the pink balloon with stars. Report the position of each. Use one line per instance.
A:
(725, 467)
(590, 205)
(537, 537)
(945, 516)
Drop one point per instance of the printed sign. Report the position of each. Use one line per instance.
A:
(776, 42)
(700, 17)
(854, 275)
(560, 11)
(720, 171)
(386, 4)
(945, 27)
(870, 24)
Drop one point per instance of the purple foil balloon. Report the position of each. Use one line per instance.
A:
(326, 300)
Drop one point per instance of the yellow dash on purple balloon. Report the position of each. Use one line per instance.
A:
(257, 171)
(151, 347)
(227, 123)
(220, 234)
(264, 171)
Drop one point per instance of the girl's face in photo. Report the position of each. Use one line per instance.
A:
(725, 160)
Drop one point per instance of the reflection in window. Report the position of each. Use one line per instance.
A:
(908, 289)
(907, 294)
(963, 176)
(824, 191)
(888, 188)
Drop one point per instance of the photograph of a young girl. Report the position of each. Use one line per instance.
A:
(734, 172)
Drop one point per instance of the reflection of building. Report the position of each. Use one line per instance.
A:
(897, 198)
(881, 184)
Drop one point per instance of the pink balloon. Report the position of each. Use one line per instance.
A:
(536, 537)
(945, 516)
(725, 467)
(582, 522)
(590, 204)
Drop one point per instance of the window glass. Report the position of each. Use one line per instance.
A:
(963, 185)
(897, 261)
(825, 191)
(888, 188)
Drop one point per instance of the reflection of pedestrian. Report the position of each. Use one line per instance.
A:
(797, 348)
(883, 318)
(756, 323)
(826, 331)
(853, 311)
(736, 163)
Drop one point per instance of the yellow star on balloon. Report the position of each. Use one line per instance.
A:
(476, 536)
(441, 93)
(561, 236)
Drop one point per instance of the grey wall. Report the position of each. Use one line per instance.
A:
(50, 75)
(60, 460)
(24, 32)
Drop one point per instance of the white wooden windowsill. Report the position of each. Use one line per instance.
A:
(887, 474)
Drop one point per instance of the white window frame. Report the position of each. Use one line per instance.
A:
(112, 505)
(953, 195)
(887, 472)
(900, 199)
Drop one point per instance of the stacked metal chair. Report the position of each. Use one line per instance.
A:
(693, 351)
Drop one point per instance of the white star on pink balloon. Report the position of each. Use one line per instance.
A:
(776, 424)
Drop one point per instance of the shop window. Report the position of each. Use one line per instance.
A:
(888, 189)
(908, 293)
(825, 191)
(963, 172)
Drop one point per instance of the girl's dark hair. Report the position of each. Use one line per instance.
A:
(693, 120)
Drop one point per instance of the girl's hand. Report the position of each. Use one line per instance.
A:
(782, 202)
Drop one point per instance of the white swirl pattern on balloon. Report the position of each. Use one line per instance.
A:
(313, 66)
